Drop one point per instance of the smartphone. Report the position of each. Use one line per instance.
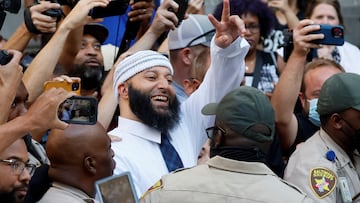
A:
(334, 35)
(116, 189)
(183, 5)
(79, 110)
(114, 8)
(71, 87)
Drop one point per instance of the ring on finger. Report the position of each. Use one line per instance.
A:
(144, 10)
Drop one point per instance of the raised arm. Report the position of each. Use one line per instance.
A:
(46, 24)
(164, 20)
(41, 115)
(287, 89)
(10, 77)
(228, 50)
(288, 10)
(43, 65)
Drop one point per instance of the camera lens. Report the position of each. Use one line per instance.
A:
(75, 86)
(337, 32)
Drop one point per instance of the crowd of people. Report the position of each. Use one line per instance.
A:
(201, 109)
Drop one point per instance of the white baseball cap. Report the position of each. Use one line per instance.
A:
(196, 29)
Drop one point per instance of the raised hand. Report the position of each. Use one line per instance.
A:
(78, 16)
(302, 39)
(42, 22)
(141, 10)
(229, 28)
(282, 5)
(164, 18)
(10, 77)
(43, 112)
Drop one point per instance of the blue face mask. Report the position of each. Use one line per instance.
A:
(313, 114)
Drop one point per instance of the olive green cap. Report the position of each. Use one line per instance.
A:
(338, 93)
(242, 109)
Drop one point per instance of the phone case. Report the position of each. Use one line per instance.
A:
(71, 87)
(334, 35)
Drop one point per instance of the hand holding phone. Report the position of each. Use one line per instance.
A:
(70, 87)
(114, 8)
(333, 35)
(180, 14)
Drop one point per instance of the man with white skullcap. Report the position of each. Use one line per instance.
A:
(158, 133)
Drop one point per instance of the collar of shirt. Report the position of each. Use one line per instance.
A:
(341, 155)
(138, 129)
(233, 165)
(75, 191)
(180, 92)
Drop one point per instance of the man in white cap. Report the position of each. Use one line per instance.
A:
(191, 39)
(158, 134)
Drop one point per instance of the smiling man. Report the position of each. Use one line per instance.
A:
(160, 135)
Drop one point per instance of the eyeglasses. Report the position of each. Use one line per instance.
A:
(215, 130)
(19, 166)
(253, 28)
(206, 34)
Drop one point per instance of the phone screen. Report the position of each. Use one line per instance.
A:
(79, 110)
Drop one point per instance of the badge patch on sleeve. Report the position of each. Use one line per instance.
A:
(322, 181)
(158, 185)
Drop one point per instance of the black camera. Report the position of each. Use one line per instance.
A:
(12, 6)
(289, 46)
(114, 8)
(5, 57)
(55, 13)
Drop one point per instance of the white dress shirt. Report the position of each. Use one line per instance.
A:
(350, 56)
(139, 151)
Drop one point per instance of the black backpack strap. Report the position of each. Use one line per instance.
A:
(258, 65)
(261, 59)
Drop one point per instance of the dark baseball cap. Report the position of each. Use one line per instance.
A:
(338, 93)
(242, 109)
(97, 30)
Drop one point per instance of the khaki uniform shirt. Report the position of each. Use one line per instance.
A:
(316, 174)
(224, 180)
(60, 193)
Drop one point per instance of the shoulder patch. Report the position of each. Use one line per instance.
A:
(158, 185)
(322, 181)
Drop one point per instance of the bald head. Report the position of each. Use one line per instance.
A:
(82, 151)
(77, 140)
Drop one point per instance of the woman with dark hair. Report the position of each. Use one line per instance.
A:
(328, 12)
(262, 68)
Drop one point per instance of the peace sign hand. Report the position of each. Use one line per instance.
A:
(229, 28)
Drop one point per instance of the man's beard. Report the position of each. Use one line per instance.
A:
(141, 106)
(8, 197)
